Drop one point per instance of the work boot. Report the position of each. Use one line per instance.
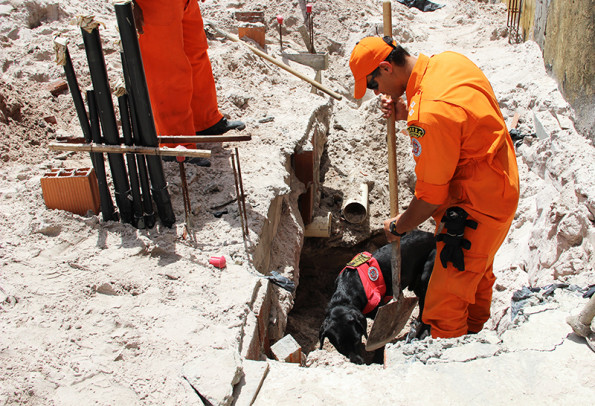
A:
(198, 161)
(222, 126)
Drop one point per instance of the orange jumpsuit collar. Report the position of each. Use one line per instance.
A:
(417, 75)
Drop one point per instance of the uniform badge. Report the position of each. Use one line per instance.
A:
(415, 147)
(359, 259)
(373, 273)
(415, 131)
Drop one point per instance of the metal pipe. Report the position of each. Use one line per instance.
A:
(144, 113)
(107, 117)
(105, 199)
(138, 221)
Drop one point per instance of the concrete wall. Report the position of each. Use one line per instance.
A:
(565, 31)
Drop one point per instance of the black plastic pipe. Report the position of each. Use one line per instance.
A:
(140, 95)
(105, 199)
(141, 163)
(75, 91)
(107, 117)
(138, 220)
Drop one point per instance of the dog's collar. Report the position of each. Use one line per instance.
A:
(372, 279)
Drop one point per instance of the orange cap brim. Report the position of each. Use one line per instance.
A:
(360, 88)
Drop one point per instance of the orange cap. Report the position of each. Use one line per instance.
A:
(365, 57)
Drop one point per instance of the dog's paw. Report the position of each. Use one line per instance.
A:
(418, 331)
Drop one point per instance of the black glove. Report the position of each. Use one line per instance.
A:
(455, 221)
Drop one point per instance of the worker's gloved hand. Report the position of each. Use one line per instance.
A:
(455, 221)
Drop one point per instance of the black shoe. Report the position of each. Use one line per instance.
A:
(222, 126)
(194, 161)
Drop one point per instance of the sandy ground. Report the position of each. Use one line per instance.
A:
(102, 313)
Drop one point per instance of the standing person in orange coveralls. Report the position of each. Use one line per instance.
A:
(181, 86)
(467, 175)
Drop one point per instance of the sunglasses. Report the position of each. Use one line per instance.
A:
(372, 84)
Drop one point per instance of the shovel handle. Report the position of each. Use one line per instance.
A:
(393, 178)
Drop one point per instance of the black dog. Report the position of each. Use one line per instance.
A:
(345, 323)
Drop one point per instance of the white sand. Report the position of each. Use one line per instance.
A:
(96, 313)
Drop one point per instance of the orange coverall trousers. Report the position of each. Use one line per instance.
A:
(177, 68)
(464, 157)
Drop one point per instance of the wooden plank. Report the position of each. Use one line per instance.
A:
(123, 149)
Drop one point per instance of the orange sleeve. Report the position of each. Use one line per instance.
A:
(436, 145)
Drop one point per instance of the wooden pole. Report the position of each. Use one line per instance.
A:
(133, 149)
(276, 62)
(393, 176)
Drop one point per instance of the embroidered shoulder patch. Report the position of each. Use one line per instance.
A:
(373, 273)
(415, 131)
(415, 147)
(359, 259)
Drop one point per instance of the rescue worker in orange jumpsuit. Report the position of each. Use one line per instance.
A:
(181, 86)
(467, 175)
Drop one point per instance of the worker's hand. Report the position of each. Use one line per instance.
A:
(400, 109)
(387, 104)
(139, 18)
(390, 237)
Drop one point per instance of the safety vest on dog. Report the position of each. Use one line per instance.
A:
(371, 276)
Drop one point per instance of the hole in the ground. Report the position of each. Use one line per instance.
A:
(319, 266)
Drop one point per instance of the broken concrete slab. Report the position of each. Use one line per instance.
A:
(215, 384)
(518, 377)
(545, 124)
(5, 9)
(469, 352)
(246, 391)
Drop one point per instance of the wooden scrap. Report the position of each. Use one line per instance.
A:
(57, 87)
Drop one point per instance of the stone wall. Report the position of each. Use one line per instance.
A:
(565, 32)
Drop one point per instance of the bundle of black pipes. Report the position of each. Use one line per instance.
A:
(139, 95)
(107, 117)
(141, 163)
(107, 206)
(105, 199)
(137, 205)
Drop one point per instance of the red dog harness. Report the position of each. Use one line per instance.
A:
(371, 276)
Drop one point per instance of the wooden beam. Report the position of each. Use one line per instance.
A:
(134, 149)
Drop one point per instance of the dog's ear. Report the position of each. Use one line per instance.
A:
(322, 332)
(361, 324)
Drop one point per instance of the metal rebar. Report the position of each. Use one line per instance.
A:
(185, 196)
(243, 197)
(140, 95)
(237, 186)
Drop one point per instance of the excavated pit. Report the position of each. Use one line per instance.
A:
(319, 266)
